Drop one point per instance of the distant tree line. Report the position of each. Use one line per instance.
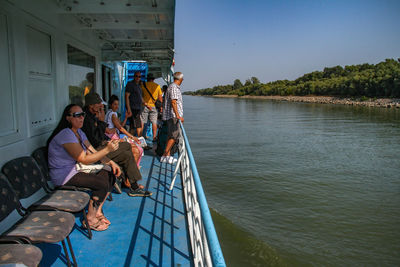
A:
(380, 80)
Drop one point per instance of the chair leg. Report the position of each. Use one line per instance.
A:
(72, 252)
(87, 223)
(66, 253)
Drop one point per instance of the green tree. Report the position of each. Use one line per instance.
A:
(237, 84)
(255, 80)
(248, 82)
(380, 80)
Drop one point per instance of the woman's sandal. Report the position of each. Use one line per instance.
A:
(96, 227)
(103, 219)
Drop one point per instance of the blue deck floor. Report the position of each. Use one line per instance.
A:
(143, 232)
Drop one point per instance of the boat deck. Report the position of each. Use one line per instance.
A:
(148, 231)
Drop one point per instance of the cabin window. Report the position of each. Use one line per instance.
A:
(39, 52)
(41, 104)
(81, 75)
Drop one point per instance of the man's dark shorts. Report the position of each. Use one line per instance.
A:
(135, 120)
(173, 128)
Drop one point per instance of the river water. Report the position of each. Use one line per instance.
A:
(298, 184)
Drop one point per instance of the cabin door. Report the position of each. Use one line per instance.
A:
(106, 82)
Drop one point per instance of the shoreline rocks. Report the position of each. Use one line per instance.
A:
(360, 101)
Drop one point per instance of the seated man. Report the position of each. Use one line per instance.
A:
(95, 129)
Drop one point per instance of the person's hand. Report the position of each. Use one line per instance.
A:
(100, 114)
(128, 113)
(132, 137)
(181, 119)
(115, 168)
(113, 145)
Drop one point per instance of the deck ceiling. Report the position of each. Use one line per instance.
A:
(127, 29)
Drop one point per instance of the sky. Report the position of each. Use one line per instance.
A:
(218, 41)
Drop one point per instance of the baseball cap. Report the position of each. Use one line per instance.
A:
(94, 98)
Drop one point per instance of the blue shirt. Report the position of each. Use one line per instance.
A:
(135, 97)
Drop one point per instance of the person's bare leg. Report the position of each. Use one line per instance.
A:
(99, 212)
(92, 216)
(139, 131)
(168, 147)
(154, 126)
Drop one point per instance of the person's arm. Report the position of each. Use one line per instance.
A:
(76, 151)
(175, 109)
(144, 91)
(160, 98)
(105, 160)
(126, 118)
(117, 124)
(127, 103)
(146, 105)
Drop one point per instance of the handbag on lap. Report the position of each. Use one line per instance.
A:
(91, 168)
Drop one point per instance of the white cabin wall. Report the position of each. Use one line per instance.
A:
(32, 92)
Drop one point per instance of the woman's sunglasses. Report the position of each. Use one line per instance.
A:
(77, 114)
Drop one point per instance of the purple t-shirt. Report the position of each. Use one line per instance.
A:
(61, 164)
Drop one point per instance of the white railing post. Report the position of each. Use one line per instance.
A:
(178, 163)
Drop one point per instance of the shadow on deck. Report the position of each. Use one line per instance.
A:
(148, 231)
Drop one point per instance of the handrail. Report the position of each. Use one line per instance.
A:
(213, 245)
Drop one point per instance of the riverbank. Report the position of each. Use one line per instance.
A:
(368, 102)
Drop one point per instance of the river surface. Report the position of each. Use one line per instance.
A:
(297, 184)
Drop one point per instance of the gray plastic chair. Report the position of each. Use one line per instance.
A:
(29, 183)
(33, 227)
(28, 255)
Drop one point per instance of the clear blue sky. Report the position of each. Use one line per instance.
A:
(217, 41)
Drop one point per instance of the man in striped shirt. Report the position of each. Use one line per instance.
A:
(173, 112)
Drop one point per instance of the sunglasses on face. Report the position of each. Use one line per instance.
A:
(137, 76)
(77, 114)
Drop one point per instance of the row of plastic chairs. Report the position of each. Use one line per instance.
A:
(33, 211)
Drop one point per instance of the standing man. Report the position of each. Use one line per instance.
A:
(172, 113)
(151, 93)
(133, 100)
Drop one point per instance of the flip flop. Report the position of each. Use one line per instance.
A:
(96, 226)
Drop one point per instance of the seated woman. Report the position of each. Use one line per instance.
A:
(67, 146)
(114, 123)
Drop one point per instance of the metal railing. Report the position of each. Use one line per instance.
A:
(203, 238)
